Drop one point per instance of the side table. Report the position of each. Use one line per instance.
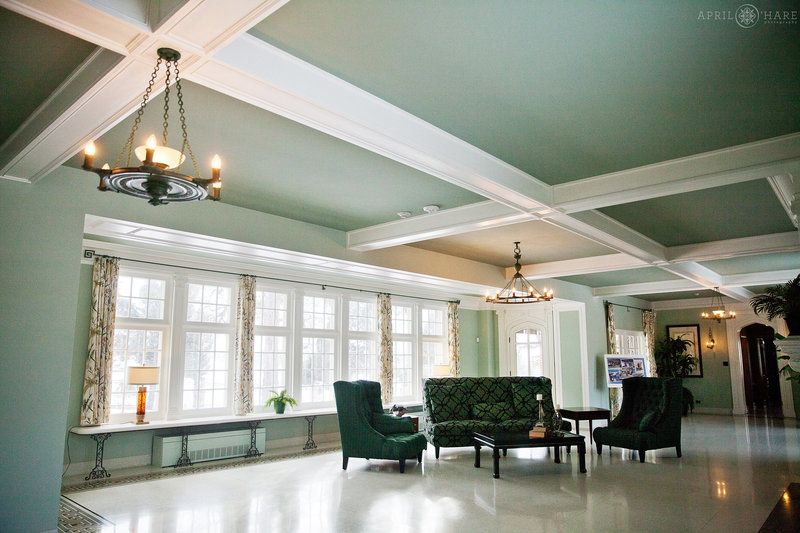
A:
(585, 413)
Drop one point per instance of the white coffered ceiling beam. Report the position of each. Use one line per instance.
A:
(584, 265)
(473, 217)
(652, 287)
(258, 73)
(772, 277)
(785, 189)
(745, 246)
(757, 160)
(106, 88)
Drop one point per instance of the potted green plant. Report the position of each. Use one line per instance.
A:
(780, 301)
(673, 361)
(279, 401)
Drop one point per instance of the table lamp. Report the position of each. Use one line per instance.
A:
(441, 371)
(142, 375)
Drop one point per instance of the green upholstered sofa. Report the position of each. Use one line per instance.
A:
(456, 407)
(367, 431)
(649, 418)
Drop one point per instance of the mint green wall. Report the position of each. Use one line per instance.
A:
(45, 309)
(488, 360)
(467, 334)
(39, 254)
(714, 388)
(570, 345)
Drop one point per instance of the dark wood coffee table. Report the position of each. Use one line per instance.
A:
(520, 439)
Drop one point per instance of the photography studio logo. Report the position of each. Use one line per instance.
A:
(749, 16)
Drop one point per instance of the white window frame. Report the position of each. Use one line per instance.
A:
(348, 335)
(301, 332)
(277, 331)
(164, 326)
(181, 326)
(438, 339)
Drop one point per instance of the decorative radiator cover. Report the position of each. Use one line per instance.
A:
(206, 446)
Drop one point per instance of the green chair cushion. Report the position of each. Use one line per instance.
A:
(389, 425)
(452, 405)
(649, 420)
(493, 412)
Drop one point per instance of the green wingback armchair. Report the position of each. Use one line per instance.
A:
(367, 431)
(649, 418)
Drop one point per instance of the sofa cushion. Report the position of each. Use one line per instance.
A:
(493, 412)
(525, 403)
(450, 404)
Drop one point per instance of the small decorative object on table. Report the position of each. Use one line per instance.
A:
(398, 410)
(557, 420)
(279, 401)
(538, 432)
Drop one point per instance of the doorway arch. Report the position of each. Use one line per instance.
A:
(744, 318)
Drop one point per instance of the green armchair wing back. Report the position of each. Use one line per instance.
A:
(649, 418)
(368, 432)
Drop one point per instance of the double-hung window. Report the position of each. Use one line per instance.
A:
(362, 340)
(141, 337)
(272, 343)
(318, 348)
(208, 335)
(433, 336)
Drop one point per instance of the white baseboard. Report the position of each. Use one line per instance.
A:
(713, 411)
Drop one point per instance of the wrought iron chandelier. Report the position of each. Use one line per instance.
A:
(717, 311)
(158, 179)
(519, 290)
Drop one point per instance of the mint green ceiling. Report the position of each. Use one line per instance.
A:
(621, 277)
(37, 58)
(278, 166)
(740, 210)
(561, 90)
(540, 242)
(755, 263)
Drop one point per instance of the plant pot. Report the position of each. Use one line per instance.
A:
(280, 407)
(793, 324)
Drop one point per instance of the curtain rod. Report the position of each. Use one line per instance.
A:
(89, 254)
(606, 302)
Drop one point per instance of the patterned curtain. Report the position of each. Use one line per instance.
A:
(385, 332)
(614, 394)
(453, 344)
(96, 401)
(245, 338)
(649, 326)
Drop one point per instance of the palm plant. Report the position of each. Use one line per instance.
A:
(673, 361)
(780, 301)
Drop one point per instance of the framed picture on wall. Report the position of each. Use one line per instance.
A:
(619, 367)
(690, 332)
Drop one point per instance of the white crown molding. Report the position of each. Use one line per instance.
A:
(785, 189)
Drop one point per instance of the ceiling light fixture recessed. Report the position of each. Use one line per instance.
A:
(404, 214)
(519, 290)
(429, 209)
(153, 179)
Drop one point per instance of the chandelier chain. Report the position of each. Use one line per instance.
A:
(185, 145)
(166, 104)
(128, 146)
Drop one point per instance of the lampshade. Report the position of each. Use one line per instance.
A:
(441, 370)
(142, 375)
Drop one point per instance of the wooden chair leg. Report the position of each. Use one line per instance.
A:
(641, 456)
(505, 452)
(678, 449)
(419, 457)
(344, 462)
(437, 451)
(402, 465)
(599, 448)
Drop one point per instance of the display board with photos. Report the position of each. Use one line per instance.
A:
(619, 367)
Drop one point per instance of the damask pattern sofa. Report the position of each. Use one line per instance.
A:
(456, 407)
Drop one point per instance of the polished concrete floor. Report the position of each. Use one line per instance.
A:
(733, 471)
